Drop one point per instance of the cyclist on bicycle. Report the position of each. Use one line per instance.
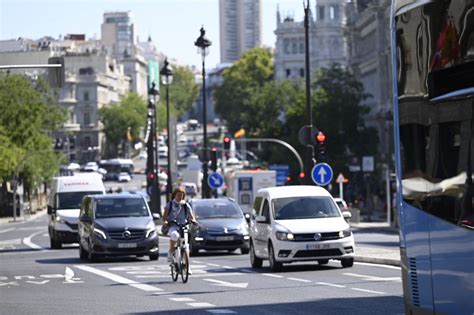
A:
(177, 210)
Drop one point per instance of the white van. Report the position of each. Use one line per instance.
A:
(64, 203)
(299, 223)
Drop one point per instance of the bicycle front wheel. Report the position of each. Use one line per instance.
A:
(184, 265)
(174, 268)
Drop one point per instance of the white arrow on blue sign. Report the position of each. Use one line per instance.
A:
(321, 174)
(215, 180)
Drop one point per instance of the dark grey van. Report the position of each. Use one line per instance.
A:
(116, 224)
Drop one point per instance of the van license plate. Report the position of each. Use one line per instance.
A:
(127, 245)
(225, 238)
(317, 246)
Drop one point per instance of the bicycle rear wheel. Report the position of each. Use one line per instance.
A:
(184, 265)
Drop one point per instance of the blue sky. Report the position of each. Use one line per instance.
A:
(173, 24)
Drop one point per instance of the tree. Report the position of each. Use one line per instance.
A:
(29, 113)
(242, 98)
(120, 120)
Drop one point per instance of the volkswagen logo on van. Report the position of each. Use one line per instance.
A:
(317, 236)
(127, 234)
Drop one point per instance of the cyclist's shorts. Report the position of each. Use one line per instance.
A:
(173, 232)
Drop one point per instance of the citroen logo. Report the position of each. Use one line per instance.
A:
(225, 230)
(317, 236)
(127, 234)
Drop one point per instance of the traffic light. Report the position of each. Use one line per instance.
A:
(320, 149)
(214, 159)
(226, 143)
(150, 182)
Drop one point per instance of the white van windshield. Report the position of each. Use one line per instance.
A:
(72, 200)
(304, 208)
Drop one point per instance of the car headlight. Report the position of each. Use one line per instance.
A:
(243, 227)
(285, 236)
(151, 231)
(60, 220)
(345, 233)
(100, 233)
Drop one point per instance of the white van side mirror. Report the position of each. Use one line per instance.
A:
(261, 219)
(346, 214)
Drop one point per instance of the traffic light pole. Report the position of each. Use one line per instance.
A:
(152, 159)
(309, 153)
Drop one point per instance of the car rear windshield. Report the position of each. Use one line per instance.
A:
(217, 210)
(121, 207)
(72, 200)
(304, 208)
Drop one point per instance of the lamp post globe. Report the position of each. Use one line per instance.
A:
(203, 44)
(166, 78)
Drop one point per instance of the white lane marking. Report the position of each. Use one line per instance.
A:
(221, 311)
(16, 241)
(201, 304)
(296, 279)
(45, 234)
(227, 284)
(368, 291)
(331, 284)
(213, 265)
(374, 278)
(272, 275)
(228, 267)
(7, 230)
(195, 275)
(69, 276)
(182, 299)
(198, 261)
(27, 241)
(378, 265)
(119, 279)
(38, 282)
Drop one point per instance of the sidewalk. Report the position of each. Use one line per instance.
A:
(22, 219)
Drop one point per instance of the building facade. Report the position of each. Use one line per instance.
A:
(119, 38)
(240, 27)
(328, 43)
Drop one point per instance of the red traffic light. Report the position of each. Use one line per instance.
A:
(320, 137)
(301, 174)
(227, 139)
(151, 176)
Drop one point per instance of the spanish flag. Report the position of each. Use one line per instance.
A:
(239, 133)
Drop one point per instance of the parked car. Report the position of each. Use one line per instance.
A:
(342, 204)
(124, 177)
(221, 226)
(298, 223)
(117, 224)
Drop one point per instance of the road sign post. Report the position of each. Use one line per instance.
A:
(322, 174)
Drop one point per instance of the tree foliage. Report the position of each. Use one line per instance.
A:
(29, 113)
(118, 119)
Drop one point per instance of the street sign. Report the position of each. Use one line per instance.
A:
(153, 74)
(340, 178)
(149, 190)
(321, 174)
(215, 180)
(282, 172)
(368, 163)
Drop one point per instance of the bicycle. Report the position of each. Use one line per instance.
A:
(180, 264)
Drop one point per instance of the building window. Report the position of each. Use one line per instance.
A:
(301, 48)
(302, 72)
(87, 142)
(334, 12)
(294, 48)
(71, 117)
(288, 73)
(86, 96)
(87, 118)
(321, 12)
(286, 46)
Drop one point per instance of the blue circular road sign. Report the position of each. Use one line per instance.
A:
(149, 190)
(215, 180)
(322, 174)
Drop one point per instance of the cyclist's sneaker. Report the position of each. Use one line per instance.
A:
(170, 258)
(189, 271)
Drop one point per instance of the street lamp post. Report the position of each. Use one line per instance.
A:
(309, 154)
(202, 43)
(152, 163)
(166, 78)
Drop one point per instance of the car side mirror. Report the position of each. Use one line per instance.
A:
(346, 214)
(247, 217)
(51, 210)
(156, 216)
(85, 219)
(261, 219)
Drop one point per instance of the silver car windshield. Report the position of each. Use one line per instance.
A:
(304, 208)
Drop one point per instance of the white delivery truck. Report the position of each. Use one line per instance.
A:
(64, 202)
(242, 185)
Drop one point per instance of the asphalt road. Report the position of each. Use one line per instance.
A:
(35, 279)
